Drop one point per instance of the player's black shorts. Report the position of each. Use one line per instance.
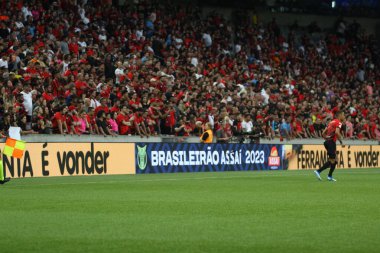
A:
(330, 146)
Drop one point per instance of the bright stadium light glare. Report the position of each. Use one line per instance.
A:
(333, 4)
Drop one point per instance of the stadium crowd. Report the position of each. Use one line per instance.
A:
(158, 68)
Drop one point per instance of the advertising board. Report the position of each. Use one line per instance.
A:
(70, 159)
(197, 157)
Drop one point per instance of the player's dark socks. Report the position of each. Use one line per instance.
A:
(332, 168)
(6, 180)
(325, 166)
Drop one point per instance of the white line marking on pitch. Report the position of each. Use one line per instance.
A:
(181, 179)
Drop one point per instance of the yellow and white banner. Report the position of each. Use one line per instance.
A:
(300, 157)
(71, 159)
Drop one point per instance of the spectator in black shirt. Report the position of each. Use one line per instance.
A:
(101, 122)
(5, 124)
(318, 127)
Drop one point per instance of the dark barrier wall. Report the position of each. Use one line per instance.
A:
(196, 157)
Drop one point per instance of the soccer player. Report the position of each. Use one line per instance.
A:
(332, 134)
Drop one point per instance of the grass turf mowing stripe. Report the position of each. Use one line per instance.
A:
(283, 211)
(20, 182)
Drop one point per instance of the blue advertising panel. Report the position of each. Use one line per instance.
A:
(198, 157)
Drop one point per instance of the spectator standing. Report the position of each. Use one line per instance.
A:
(207, 135)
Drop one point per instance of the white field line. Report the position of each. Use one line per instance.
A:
(183, 179)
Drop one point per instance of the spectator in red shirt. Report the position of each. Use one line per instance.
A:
(134, 102)
(73, 46)
(59, 121)
(168, 120)
(183, 127)
(103, 106)
(124, 121)
(91, 119)
(139, 125)
(47, 94)
(73, 121)
(19, 108)
(80, 85)
(151, 124)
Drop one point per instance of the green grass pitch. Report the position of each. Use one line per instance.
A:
(283, 211)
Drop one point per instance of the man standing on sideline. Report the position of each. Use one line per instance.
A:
(332, 134)
(207, 136)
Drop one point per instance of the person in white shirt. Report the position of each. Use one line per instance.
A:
(119, 72)
(19, 24)
(102, 35)
(28, 101)
(178, 42)
(94, 103)
(139, 34)
(26, 12)
(247, 124)
(4, 62)
(242, 89)
(264, 94)
(211, 117)
(65, 64)
(194, 61)
(82, 14)
(94, 99)
(207, 39)
(82, 44)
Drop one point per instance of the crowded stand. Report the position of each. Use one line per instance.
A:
(159, 68)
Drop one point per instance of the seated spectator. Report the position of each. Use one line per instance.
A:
(319, 127)
(286, 129)
(247, 125)
(224, 133)
(111, 120)
(6, 123)
(25, 128)
(377, 132)
(59, 124)
(349, 128)
(73, 121)
(101, 122)
(183, 127)
(84, 127)
(139, 124)
(91, 119)
(124, 122)
(274, 127)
